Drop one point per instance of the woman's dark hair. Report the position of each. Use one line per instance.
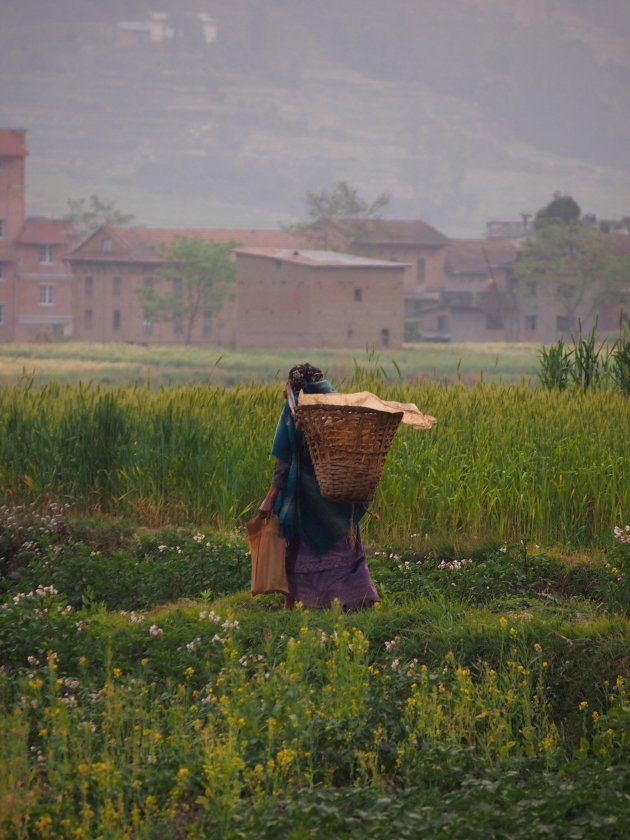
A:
(301, 375)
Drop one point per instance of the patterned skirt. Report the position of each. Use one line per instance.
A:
(316, 580)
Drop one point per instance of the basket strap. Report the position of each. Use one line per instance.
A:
(290, 397)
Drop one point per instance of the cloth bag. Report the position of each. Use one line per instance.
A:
(267, 547)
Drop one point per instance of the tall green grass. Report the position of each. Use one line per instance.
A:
(504, 460)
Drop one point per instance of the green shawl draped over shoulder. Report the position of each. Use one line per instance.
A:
(301, 510)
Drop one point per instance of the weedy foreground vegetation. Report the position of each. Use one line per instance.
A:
(145, 694)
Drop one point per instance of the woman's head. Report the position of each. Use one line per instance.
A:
(302, 375)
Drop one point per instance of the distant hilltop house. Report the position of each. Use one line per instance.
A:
(156, 29)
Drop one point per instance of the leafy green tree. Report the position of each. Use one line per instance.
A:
(89, 214)
(201, 274)
(336, 216)
(562, 208)
(571, 261)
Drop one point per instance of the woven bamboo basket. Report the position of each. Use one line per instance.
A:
(348, 446)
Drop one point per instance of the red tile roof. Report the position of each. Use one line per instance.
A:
(12, 142)
(399, 232)
(318, 259)
(471, 256)
(140, 244)
(40, 231)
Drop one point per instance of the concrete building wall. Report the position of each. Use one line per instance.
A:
(287, 304)
(11, 196)
(108, 307)
(425, 270)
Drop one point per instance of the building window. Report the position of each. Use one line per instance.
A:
(421, 268)
(1, 314)
(564, 323)
(1, 228)
(1, 271)
(46, 295)
(494, 321)
(178, 287)
(385, 336)
(106, 245)
(442, 322)
(147, 283)
(531, 286)
(147, 323)
(45, 254)
(116, 286)
(178, 324)
(530, 323)
(358, 294)
(89, 286)
(116, 319)
(87, 319)
(207, 323)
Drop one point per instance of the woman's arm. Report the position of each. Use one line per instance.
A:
(280, 470)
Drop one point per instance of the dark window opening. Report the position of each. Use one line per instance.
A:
(494, 321)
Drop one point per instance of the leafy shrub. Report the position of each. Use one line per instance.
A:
(154, 569)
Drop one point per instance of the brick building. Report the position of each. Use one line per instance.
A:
(307, 298)
(35, 281)
(112, 265)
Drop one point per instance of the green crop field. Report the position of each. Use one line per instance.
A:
(123, 364)
(144, 693)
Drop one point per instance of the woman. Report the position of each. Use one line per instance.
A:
(325, 555)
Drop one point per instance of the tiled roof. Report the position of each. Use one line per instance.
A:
(471, 256)
(318, 259)
(12, 142)
(39, 231)
(142, 244)
(399, 232)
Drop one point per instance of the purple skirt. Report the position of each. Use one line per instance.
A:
(342, 573)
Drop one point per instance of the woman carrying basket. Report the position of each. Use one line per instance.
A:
(326, 560)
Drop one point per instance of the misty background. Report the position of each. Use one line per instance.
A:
(462, 111)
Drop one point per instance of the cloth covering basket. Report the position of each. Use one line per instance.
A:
(348, 446)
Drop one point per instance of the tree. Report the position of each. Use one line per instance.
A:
(201, 274)
(562, 209)
(571, 261)
(336, 216)
(88, 215)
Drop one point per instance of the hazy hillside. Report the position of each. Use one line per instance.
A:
(463, 110)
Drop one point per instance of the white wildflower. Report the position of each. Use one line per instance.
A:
(622, 534)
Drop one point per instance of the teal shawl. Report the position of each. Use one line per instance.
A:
(301, 510)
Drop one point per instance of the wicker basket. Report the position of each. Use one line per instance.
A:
(348, 446)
